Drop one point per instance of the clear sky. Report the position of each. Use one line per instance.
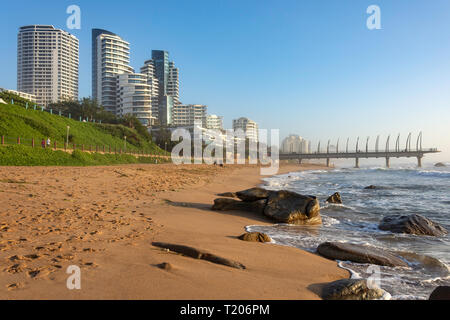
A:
(311, 68)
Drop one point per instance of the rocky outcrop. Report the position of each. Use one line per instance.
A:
(371, 187)
(253, 194)
(281, 206)
(255, 237)
(359, 254)
(227, 204)
(293, 208)
(351, 289)
(440, 293)
(412, 224)
(198, 254)
(227, 194)
(440, 164)
(335, 198)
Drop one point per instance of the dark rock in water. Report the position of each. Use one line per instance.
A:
(412, 224)
(440, 164)
(351, 289)
(165, 266)
(293, 208)
(371, 187)
(335, 198)
(198, 254)
(253, 194)
(226, 204)
(227, 194)
(255, 237)
(440, 293)
(359, 254)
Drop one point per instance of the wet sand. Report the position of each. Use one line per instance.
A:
(104, 219)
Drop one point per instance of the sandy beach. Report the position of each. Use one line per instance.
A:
(104, 220)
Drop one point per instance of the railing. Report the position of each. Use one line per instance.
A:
(64, 146)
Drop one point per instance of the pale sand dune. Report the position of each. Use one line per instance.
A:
(104, 220)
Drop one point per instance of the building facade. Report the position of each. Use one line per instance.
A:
(134, 97)
(149, 71)
(110, 58)
(295, 144)
(47, 63)
(24, 95)
(249, 127)
(214, 122)
(189, 115)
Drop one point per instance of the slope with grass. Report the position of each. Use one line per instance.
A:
(16, 121)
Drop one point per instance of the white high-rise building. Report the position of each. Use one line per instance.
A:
(149, 71)
(295, 144)
(110, 57)
(189, 115)
(249, 127)
(214, 122)
(134, 97)
(47, 63)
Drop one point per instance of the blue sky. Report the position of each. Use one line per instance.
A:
(306, 67)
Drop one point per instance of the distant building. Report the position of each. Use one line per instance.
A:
(189, 115)
(134, 97)
(249, 127)
(149, 70)
(214, 122)
(295, 144)
(47, 64)
(24, 95)
(110, 57)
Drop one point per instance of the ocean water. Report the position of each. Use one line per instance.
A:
(403, 190)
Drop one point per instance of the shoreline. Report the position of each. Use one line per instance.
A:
(117, 259)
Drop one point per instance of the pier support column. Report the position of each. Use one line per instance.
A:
(300, 161)
(419, 162)
(388, 162)
(357, 163)
(328, 162)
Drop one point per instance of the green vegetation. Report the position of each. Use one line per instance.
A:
(19, 155)
(29, 124)
(16, 121)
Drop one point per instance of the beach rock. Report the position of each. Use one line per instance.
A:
(335, 198)
(226, 204)
(440, 164)
(253, 194)
(359, 254)
(412, 224)
(351, 289)
(198, 254)
(293, 208)
(227, 194)
(165, 266)
(371, 187)
(255, 237)
(440, 293)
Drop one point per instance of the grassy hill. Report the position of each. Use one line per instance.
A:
(28, 124)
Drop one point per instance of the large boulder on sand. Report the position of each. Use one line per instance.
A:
(359, 254)
(335, 198)
(351, 289)
(253, 194)
(227, 204)
(255, 237)
(440, 293)
(412, 224)
(293, 208)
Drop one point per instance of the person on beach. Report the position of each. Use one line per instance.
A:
(48, 142)
(43, 143)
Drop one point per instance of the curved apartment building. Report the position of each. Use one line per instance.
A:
(134, 97)
(47, 63)
(110, 57)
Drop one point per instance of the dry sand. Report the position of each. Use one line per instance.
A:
(104, 219)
